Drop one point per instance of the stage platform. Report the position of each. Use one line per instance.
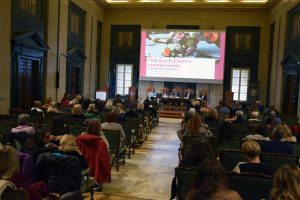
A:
(176, 114)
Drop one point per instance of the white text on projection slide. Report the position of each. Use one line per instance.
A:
(201, 68)
(186, 55)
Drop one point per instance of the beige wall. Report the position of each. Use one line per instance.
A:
(278, 15)
(5, 24)
(217, 20)
(94, 13)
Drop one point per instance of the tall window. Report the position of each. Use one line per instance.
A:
(124, 78)
(239, 83)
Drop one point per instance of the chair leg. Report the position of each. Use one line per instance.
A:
(92, 193)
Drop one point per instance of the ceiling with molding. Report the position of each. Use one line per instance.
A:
(196, 4)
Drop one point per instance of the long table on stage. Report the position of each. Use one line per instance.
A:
(173, 103)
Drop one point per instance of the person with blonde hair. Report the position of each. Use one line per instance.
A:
(10, 171)
(76, 111)
(52, 108)
(286, 183)
(287, 136)
(69, 147)
(252, 150)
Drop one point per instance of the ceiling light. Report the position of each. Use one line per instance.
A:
(149, 1)
(183, 1)
(254, 1)
(218, 1)
(117, 1)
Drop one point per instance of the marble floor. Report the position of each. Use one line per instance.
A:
(148, 174)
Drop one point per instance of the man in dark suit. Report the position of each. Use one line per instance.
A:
(176, 92)
(189, 94)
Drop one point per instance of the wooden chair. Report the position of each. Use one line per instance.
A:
(251, 186)
(115, 147)
(128, 138)
(75, 122)
(275, 160)
(230, 158)
(185, 178)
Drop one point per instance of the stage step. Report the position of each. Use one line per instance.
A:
(171, 114)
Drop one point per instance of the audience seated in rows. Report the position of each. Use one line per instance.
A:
(211, 183)
(275, 145)
(22, 125)
(252, 150)
(286, 183)
(9, 170)
(260, 133)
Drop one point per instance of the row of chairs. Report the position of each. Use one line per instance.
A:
(249, 186)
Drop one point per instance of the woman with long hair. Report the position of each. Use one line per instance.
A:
(94, 128)
(9, 170)
(211, 183)
(286, 183)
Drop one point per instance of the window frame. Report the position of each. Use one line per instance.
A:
(239, 85)
(125, 92)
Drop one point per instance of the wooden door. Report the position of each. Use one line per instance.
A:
(76, 80)
(291, 94)
(27, 82)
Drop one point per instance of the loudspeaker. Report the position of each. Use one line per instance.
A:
(57, 79)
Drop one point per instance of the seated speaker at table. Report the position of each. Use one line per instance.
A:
(176, 92)
(189, 94)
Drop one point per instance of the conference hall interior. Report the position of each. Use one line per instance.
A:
(149, 99)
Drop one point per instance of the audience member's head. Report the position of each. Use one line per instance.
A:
(37, 104)
(111, 117)
(278, 132)
(287, 131)
(254, 114)
(211, 177)
(68, 143)
(286, 183)
(91, 107)
(94, 127)
(9, 164)
(239, 114)
(140, 106)
(76, 110)
(251, 149)
(194, 124)
(192, 111)
(109, 105)
(49, 100)
(23, 119)
(260, 130)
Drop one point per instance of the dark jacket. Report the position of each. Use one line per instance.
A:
(276, 146)
(61, 172)
(26, 166)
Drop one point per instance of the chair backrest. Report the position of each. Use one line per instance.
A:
(127, 130)
(251, 186)
(274, 160)
(75, 122)
(185, 178)
(135, 125)
(77, 130)
(62, 173)
(230, 158)
(113, 138)
(10, 194)
(295, 146)
(11, 118)
(36, 119)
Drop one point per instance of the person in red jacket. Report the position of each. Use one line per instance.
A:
(95, 151)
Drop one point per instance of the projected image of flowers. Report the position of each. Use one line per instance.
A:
(184, 44)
